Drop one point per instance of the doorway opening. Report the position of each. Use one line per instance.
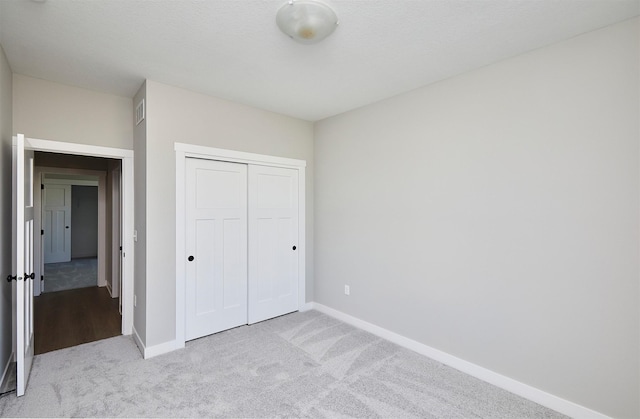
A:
(27, 255)
(70, 231)
(78, 292)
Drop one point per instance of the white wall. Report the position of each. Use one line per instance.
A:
(53, 111)
(177, 115)
(5, 209)
(494, 216)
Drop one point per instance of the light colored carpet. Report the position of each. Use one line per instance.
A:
(9, 384)
(299, 365)
(79, 273)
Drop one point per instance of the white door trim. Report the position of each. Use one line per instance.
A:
(195, 151)
(234, 156)
(127, 209)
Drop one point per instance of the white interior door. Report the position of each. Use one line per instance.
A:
(216, 247)
(56, 223)
(22, 194)
(273, 242)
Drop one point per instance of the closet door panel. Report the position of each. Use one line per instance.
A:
(234, 266)
(204, 291)
(216, 247)
(273, 246)
(265, 259)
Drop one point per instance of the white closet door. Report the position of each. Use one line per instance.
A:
(57, 223)
(273, 242)
(216, 282)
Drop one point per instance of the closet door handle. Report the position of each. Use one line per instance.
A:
(190, 258)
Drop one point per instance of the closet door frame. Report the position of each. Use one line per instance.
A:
(184, 151)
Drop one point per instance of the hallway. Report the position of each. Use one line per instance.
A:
(73, 317)
(77, 273)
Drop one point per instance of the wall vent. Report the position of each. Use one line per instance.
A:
(140, 112)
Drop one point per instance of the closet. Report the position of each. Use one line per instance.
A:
(241, 244)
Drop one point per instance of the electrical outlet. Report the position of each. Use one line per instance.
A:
(347, 290)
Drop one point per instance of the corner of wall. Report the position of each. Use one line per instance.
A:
(516, 387)
(140, 218)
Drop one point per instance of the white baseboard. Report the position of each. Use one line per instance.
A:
(10, 361)
(306, 307)
(516, 387)
(155, 350)
(162, 348)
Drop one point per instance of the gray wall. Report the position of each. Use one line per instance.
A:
(84, 221)
(494, 216)
(178, 115)
(113, 235)
(140, 219)
(54, 111)
(5, 209)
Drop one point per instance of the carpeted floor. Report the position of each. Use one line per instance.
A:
(9, 384)
(79, 273)
(299, 365)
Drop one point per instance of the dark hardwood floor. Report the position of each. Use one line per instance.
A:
(68, 318)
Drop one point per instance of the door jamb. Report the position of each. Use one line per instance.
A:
(126, 156)
(183, 151)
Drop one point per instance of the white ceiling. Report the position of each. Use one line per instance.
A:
(233, 49)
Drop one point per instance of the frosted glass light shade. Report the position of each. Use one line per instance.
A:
(307, 21)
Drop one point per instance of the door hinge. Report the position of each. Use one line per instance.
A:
(41, 277)
(41, 186)
(42, 232)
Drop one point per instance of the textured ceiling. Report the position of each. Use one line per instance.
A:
(233, 49)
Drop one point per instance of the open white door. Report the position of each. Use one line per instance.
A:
(22, 194)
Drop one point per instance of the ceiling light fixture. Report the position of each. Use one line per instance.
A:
(307, 21)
